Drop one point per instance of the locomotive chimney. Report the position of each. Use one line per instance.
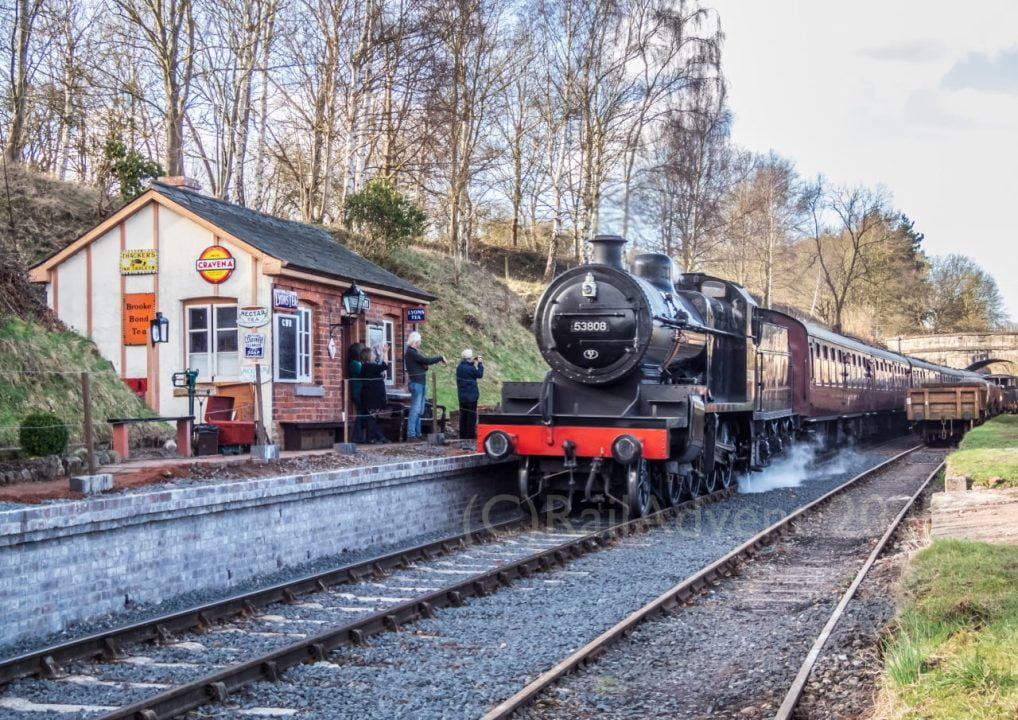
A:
(608, 250)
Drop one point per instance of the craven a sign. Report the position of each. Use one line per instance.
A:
(215, 264)
(139, 262)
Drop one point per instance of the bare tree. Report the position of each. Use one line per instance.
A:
(21, 64)
(843, 251)
(467, 52)
(236, 31)
(692, 175)
(961, 297)
(166, 29)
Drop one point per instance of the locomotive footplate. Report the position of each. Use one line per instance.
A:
(579, 436)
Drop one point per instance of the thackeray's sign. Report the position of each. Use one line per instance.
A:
(139, 262)
(253, 316)
(215, 264)
(138, 311)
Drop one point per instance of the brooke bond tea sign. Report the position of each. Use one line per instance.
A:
(138, 311)
(215, 264)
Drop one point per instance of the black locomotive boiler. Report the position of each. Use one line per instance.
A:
(666, 385)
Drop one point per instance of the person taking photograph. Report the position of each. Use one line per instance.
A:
(417, 365)
(469, 371)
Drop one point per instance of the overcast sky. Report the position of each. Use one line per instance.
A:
(920, 96)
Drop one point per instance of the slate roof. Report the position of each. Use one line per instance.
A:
(307, 247)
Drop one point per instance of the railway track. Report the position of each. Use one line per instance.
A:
(171, 676)
(747, 649)
(364, 599)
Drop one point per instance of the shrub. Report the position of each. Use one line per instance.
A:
(43, 434)
(388, 217)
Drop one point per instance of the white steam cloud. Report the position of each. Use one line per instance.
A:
(797, 465)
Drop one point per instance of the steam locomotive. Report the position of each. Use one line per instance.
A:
(667, 385)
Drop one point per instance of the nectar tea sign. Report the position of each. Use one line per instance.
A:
(253, 316)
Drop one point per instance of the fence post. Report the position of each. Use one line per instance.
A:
(86, 400)
(346, 411)
(263, 435)
(434, 401)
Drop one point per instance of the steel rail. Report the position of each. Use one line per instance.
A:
(107, 644)
(216, 687)
(672, 598)
(799, 684)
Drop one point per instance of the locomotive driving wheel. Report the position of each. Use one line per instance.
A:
(638, 488)
(668, 486)
(723, 470)
(527, 485)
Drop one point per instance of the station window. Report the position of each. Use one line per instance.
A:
(385, 332)
(212, 341)
(293, 346)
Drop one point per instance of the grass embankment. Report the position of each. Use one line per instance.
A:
(474, 310)
(954, 652)
(40, 371)
(988, 451)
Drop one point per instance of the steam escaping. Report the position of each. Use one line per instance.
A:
(789, 469)
(797, 465)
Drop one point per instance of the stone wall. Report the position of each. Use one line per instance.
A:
(961, 349)
(75, 561)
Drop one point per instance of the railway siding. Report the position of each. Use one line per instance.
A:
(66, 563)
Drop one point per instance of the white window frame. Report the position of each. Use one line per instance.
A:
(305, 345)
(211, 340)
(388, 328)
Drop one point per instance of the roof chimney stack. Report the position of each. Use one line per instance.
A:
(180, 181)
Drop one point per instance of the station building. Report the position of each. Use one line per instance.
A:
(234, 289)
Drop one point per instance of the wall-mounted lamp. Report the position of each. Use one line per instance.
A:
(355, 301)
(159, 329)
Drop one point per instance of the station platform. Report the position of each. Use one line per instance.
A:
(977, 514)
(213, 524)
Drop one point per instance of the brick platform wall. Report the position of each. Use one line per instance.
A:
(72, 562)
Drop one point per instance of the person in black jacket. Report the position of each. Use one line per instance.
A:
(373, 399)
(417, 373)
(469, 371)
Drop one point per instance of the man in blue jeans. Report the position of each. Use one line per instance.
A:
(417, 372)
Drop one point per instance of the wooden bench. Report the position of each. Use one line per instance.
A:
(311, 435)
(121, 440)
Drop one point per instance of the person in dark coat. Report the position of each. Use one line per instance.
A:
(469, 371)
(354, 370)
(417, 373)
(373, 400)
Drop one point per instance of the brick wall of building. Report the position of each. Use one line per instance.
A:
(72, 562)
(328, 373)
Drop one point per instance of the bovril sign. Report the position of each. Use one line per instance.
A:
(215, 264)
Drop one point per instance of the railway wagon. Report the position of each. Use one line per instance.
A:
(1008, 385)
(943, 412)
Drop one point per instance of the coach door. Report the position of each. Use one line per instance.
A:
(773, 370)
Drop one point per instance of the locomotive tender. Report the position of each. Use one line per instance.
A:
(667, 385)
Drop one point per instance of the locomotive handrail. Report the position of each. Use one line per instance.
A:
(682, 325)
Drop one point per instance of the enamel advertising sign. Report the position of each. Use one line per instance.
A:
(215, 264)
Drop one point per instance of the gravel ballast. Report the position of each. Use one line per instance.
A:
(466, 660)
